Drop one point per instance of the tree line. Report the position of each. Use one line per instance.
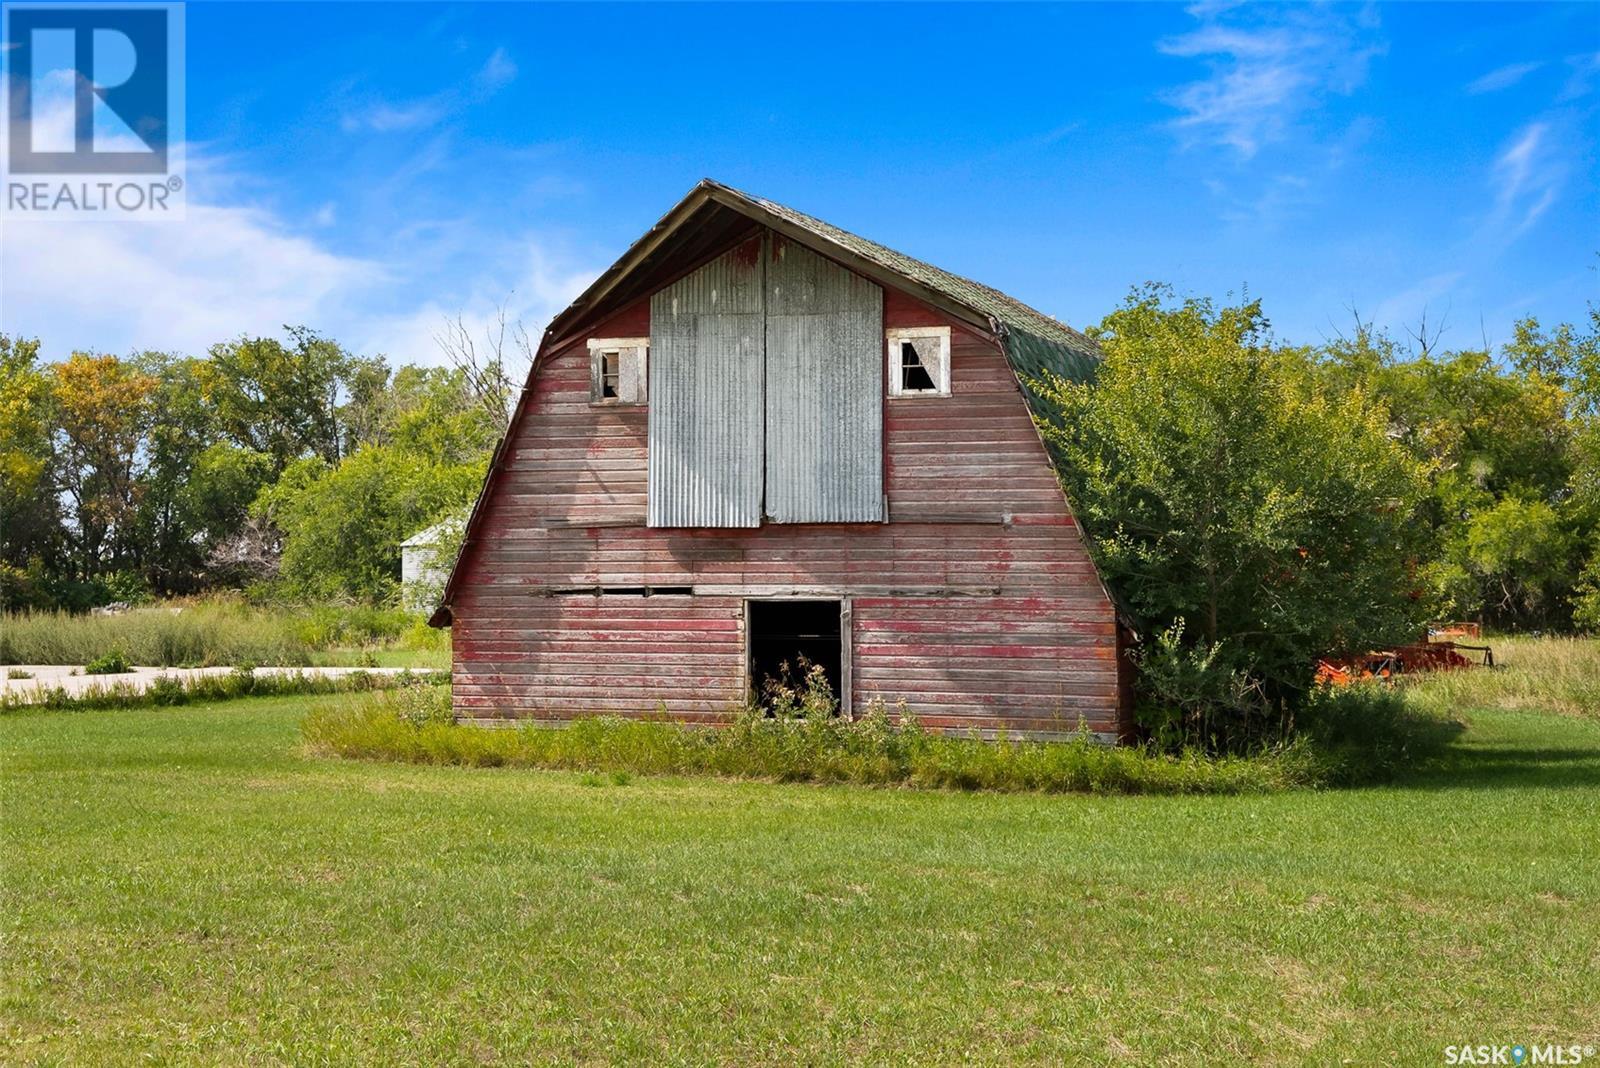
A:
(285, 465)
(1267, 498)
(1256, 504)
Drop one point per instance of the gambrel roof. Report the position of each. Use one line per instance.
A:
(713, 217)
(1034, 342)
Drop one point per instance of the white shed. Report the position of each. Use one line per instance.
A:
(425, 560)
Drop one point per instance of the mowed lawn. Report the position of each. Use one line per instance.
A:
(187, 886)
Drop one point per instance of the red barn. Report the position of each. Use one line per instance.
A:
(756, 438)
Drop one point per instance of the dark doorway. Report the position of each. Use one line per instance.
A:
(784, 635)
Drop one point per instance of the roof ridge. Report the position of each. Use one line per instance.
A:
(1009, 310)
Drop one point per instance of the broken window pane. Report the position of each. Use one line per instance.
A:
(915, 376)
(610, 373)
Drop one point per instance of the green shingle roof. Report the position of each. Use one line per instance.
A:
(1034, 341)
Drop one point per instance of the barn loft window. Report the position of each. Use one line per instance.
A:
(617, 369)
(919, 361)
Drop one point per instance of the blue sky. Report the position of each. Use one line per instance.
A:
(370, 169)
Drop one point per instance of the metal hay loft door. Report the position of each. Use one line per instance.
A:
(706, 336)
(766, 392)
(824, 390)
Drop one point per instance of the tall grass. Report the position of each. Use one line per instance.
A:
(882, 748)
(1532, 674)
(207, 633)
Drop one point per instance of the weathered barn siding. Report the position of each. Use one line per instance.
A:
(975, 603)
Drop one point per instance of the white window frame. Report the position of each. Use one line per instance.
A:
(598, 347)
(892, 339)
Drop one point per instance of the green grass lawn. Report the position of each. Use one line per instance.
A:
(187, 886)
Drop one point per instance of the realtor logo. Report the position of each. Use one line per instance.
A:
(93, 89)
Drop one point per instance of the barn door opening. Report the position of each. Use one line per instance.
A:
(787, 638)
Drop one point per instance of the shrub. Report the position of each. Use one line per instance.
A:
(18, 673)
(114, 662)
(1369, 731)
(1191, 696)
(1226, 483)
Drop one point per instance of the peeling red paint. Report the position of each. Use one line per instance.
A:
(1023, 638)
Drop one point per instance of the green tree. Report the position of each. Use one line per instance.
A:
(103, 409)
(280, 400)
(1503, 439)
(170, 552)
(342, 526)
(1227, 488)
(1523, 552)
(436, 414)
(30, 520)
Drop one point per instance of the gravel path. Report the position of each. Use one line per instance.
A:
(72, 679)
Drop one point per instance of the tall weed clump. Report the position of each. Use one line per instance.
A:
(803, 740)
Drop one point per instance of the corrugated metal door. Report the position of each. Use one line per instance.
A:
(705, 375)
(824, 393)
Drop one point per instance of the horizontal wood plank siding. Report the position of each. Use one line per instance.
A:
(1019, 635)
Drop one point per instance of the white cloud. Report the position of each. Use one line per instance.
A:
(1503, 77)
(53, 115)
(384, 117)
(1584, 68)
(231, 269)
(183, 286)
(1527, 177)
(498, 71)
(1265, 75)
(1526, 180)
(1418, 304)
(535, 291)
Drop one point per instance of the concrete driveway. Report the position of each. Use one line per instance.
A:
(51, 676)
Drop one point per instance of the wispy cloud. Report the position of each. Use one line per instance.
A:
(1525, 181)
(1419, 304)
(1527, 178)
(1268, 67)
(184, 285)
(1503, 77)
(538, 285)
(386, 116)
(497, 71)
(1585, 67)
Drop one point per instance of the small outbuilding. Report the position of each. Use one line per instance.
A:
(425, 565)
(758, 438)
